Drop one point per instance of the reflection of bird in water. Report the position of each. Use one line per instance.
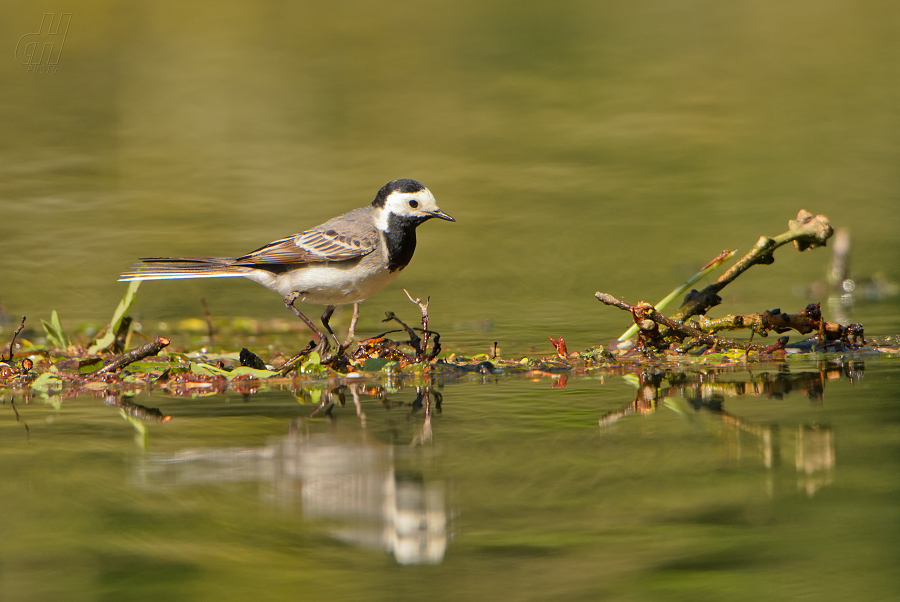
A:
(381, 508)
(814, 457)
(350, 484)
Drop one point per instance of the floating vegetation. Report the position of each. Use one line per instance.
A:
(107, 367)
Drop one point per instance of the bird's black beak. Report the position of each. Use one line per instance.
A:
(442, 215)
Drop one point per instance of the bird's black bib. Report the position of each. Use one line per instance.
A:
(400, 239)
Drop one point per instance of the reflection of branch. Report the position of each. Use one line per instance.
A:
(16, 412)
(426, 434)
(137, 410)
(805, 232)
(705, 391)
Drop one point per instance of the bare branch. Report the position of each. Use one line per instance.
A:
(806, 232)
(12, 343)
(129, 357)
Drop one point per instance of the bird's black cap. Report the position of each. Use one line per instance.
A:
(405, 185)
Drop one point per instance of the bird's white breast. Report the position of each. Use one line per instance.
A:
(330, 284)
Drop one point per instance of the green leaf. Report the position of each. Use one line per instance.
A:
(251, 371)
(54, 331)
(374, 364)
(90, 366)
(312, 365)
(125, 304)
(208, 370)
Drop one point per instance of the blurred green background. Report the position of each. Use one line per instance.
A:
(582, 146)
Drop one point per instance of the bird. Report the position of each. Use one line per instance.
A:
(344, 260)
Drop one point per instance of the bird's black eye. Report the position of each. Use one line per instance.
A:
(414, 204)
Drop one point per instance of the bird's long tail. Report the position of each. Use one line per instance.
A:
(174, 268)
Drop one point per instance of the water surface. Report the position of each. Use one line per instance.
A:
(778, 482)
(581, 146)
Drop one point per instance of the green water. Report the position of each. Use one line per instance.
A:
(782, 487)
(581, 146)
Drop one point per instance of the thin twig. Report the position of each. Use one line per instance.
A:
(122, 335)
(129, 357)
(414, 340)
(210, 331)
(12, 343)
(296, 360)
(423, 307)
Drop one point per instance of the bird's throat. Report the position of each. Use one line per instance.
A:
(400, 240)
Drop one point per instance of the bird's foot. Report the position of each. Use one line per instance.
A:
(335, 357)
(323, 348)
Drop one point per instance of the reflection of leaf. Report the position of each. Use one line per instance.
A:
(47, 382)
(124, 305)
(632, 380)
(48, 385)
(55, 401)
(141, 436)
(305, 396)
(55, 332)
(682, 407)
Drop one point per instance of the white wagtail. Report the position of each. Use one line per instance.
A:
(345, 260)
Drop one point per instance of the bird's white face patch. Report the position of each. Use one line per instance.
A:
(406, 204)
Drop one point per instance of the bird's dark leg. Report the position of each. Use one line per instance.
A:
(289, 303)
(326, 316)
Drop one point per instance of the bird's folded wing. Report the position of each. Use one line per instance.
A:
(312, 246)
